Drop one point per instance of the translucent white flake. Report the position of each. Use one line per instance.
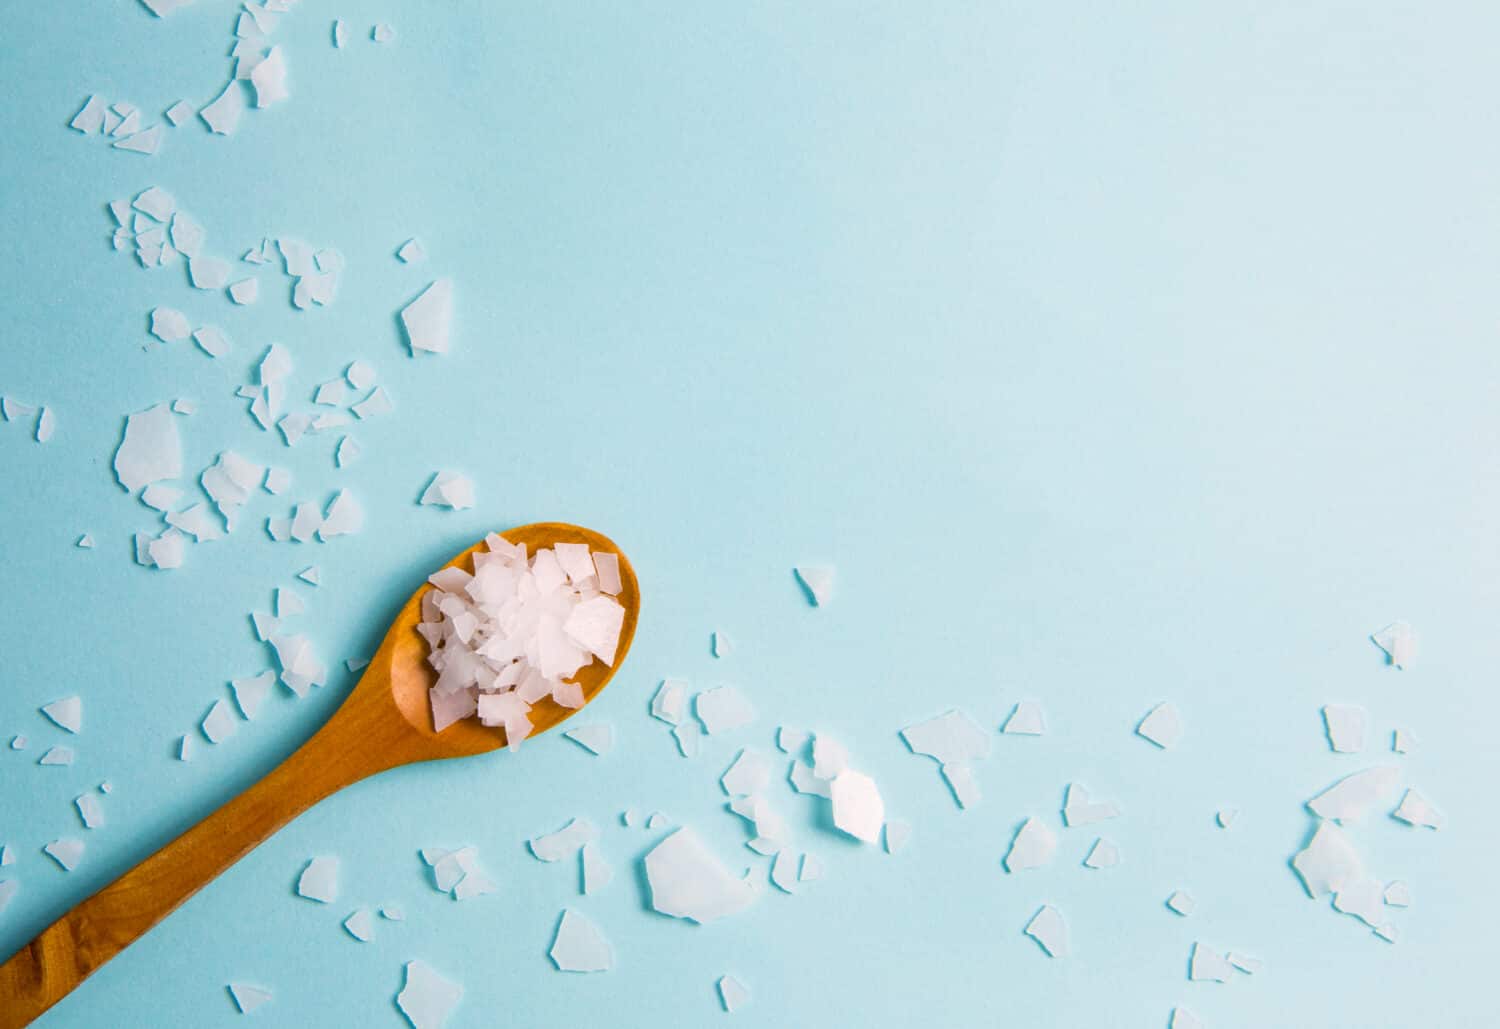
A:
(656, 821)
(66, 713)
(300, 666)
(179, 112)
(90, 118)
(812, 867)
(1033, 846)
(361, 925)
(670, 703)
(1244, 962)
(1415, 810)
(1182, 903)
(340, 33)
(687, 881)
(750, 773)
(247, 998)
(1080, 809)
(449, 489)
(595, 738)
(265, 624)
(85, 541)
(166, 551)
(1345, 725)
(360, 375)
(790, 741)
(393, 913)
(147, 141)
(1049, 930)
(411, 251)
(348, 451)
(1226, 816)
(344, 516)
(8, 887)
(66, 852)
(830, 757)
(961, 780)
(18, 743)
(1103, 854)
(1362, 897)
(1207, 965)
(804, 780)
(207, 272)
(319, 881)
(1182, 1018)
(595, 626)
(723, 709)
(817, 582)
(197, 522)
(310, 575)
(333, 393)
(897, 835)
(951, 738)
(1388, 933)
(89, 810)
(288, 603)
(188, 235)
(857, 805)
(427, 999)
(222, 116)
(186, 748)
(428, 319)
(1352, 797)
(1026, 720)
(277, 480)
(579, 946)
(46, 425)
(595, 870)
(184, 406)
(220, 723)
(250, 694)
(246, 291)
(382, 33)
(354, 664)
(1328, 862)
(212, 341)
(1403, 742)
(733, 994)
(151, 449)
(61, 756)
(13, 409)
(269, 78)
(161, 498)
(565, 842)
(1162, 726)
(1397, 894)
(377, 403)
(1399, 643)
(720, 645)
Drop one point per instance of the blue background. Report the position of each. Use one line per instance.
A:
(1113, 355)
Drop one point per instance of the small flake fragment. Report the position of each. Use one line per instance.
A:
(310, 575)
(897, 835)
(1362, 897)
(719, 645)
(147, 141)
(382, 33)
(347, 452)
(426, 998)
(220, 723)
(790, 741)
(1103, 854)
(1352, 797)
(1399, 643)
(596, 872)
(687, 881)
(46, 425)
(579, 946)
(247, 998)
(89, 810)
(555, 846)
(169, 325)
(1403, 742)
(66, 713)
(344, 516)
(857, 805)
(597, 739)
(784, 870)
(965, 787)
(1182, 1018)
(66, 852)
(8, 887)
(723, 709)
(377, 403)
(1389, 933)
(1049, 930)
(85, 542)
(59, 756)
(269, 78)
(1345, 726)
(1032, 847)
(733, 994)
(804, 780)
(186, 748)
(90, 118)
(212, 341)
(1329, 861)
(207, 272)
(950, 738)
(1415, 810)
(250, 694)
(1244, 962)
(1397, 894)
(361, 925)
(817, 582)
(319, 881)
(1080, 809)
(670, 703)
(179, 112)
(1162, 726)
(393, 913)
(246, 291)
(1226, 816)
(812, 867)
(360, 375)
(340, 33)
(1206, 965)
(428, 319)
(1182, 903)
(411, 251)
(222, 116)
(1026, 720)
(450, 490)
(750, 774)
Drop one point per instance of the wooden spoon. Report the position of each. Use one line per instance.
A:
(384, 722)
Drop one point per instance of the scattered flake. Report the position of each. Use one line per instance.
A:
(1345, 725)
(105, 787)
(66, 852)
(13, 409)
(7, 856)
(450, 490)
(1080, 809)
(269, 78)
(222, 116)
(1415, 810)
(89, 810)
(90, 118)
(86, 542)
(354, 664)
(812, 868)
(595, 738)
(333, 393)
(1352, 797)
(300, 667)
(393, 913)
(361, 925)
(1226, 816)
(1328, 862)
(183, 406)
(188, 235)
(62, 756)
(1397, 894)
(579, 946)
(427, 999)
(790, 741)
(670, 703)
(166, 551)
(951, 738)
(897, 834)
(1182, 1018)
(428, 319)
(66, 713)
(595, 870)
(733, 994)
(246, 997)
(656, 821)
(857, 805)
(1205, 965)
(319, 881)
(197, 522)
(1026, 720)
(265, 625)
(722, 709)
(212, 341)
(555, 846)
(1181, 902)
(1162, 726)
(1403, 742)
(360, 375)
(817, 582)
(687, 881)
(382, 33)
(340, 34)
(246, 291)
(377, 403)
(1033, 846)
(1362, 897)
(1399, 643)
(750, 773)
(1245, 963)
(250, 694)
(169, 325)
(348, 451)
(411, 251)
(630, 817)
(18, 743)
(162, 498)
(689, 738)
(207, 272)
(961, 780)
(288, 603)
(145, 142)
(1104, 854)
(179, 112)
(344, 516)
(720, 645)
(46, 425)
(1389, 933)
(277, 480)
(830, 757)
(804, 780)
(185, 748)
(309, 575)
(220, 723)
(1049, 930)
(151, 450)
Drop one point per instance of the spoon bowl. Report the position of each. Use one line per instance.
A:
(385, 721)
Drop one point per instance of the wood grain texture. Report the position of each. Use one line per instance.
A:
(385, 722)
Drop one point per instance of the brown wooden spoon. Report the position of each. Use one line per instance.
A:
(384, 722)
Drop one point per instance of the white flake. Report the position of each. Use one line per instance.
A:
(830, 757)
(208, 272)
(169, 325)
(1104, 854)
(187, 235)
(18, 743)
(90, 117)
(246, 291)
(670, 703)
(720, 645)
(288, 603)
(897, 834)
(179, 112)
(1362, 897)
(145, 142)
(346, 453)
(269, 78)
(361, 925)
(1226, 816)
(1049, 930)
(1205, 965)
(857, 805)
(223, 114)
(750, 773)
(1397, 894)
(1328, 862)
(377, 403)
(212, 341)
(89, 810)
(319, 881)
(427, 999)
(277, 480)
(812, 868)
(1033, 846)
(733, 994)
(817, 582)
(1162, 726)
(186, 748)
(656, 821)
(579, 946)
(790, 741)
(411, 251)
(428, 319)
(1182, 903)
(1403, 742)
(1182, 1018)
(804, 780)
(161, 498)
(1345, 726)
(1080, 809)
(184, 406)
(723, 709)
(310, 575)
(961, 780)
(1399, 643)
(449, 489)
(1415, 810)
(340, 33)
(344, 516)
(1026, 720)
(393, 913)
(382, 33)
(86, 542)
(595, 870)
(360, 375)
(250, 694)
(555, 846)
(1352, 797)
(46, 424)
(1388, 933)
(595, 738)
(1245, 963)
(220, 723)
(60, 756)
(66, 852)
(246, 997)
(687, 881)
(66, 713)
(8, 887)
(951, 738)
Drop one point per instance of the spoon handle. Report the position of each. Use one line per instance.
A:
(81, 941)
